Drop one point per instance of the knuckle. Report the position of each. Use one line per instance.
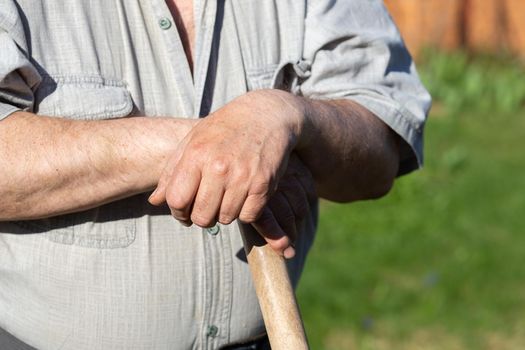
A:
(202, 201)
(260, 188)
(175, 201)
(250, 216)
(220, 166)
(257, 198)
(254, 211)
(241, 174)
(255, 203)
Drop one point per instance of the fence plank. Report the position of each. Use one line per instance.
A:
(480, 25)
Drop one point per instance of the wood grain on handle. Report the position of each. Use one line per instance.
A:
(275, 293)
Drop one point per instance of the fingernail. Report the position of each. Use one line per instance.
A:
(153, 194)
(186, 223)
(289, 252)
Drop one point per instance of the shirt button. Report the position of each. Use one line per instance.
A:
(212, 331)
(165, 23)
(214, 230)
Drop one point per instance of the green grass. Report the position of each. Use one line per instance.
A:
(440, 262)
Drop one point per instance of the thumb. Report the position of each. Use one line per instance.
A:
(158, 196)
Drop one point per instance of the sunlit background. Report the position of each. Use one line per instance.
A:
(440, 262)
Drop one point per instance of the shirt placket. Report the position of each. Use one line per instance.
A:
(216, 293)
(218, 287)
(217, 248)
(177, 58)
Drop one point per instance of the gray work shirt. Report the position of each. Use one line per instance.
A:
(127, 275)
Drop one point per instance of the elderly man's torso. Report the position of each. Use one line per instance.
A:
(127, 275)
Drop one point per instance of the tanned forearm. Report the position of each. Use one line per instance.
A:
(351, 153)
(233, 164)
(52, 166)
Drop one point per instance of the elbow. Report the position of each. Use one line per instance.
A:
(379, 189)
(362, 186)
(379, 184)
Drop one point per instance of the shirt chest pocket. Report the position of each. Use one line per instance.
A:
(108, 226)
(84, 98)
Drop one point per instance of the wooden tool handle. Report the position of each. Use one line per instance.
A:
(275, 293)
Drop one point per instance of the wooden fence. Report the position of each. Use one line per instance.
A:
(480, 25)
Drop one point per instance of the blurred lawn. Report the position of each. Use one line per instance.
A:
(440, 262)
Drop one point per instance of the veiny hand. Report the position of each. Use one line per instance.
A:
(287, 208)
(231, 162)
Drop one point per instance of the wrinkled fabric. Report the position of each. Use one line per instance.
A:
(126, 275)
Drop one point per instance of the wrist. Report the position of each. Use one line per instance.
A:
(295, 111)
(162, 135)
(174, 130)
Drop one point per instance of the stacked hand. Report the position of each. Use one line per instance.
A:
(287, 207)
(238, 163)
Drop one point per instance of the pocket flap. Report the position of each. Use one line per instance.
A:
(87, 100)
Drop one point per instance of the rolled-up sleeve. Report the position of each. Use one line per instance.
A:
(18, 77)
(353, 50)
